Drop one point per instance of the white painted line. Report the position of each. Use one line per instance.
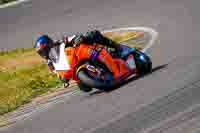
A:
(12, 3)
(152, 32)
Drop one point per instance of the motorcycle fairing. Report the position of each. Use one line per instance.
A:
(95, 52)
(125, 50)
(62, 64)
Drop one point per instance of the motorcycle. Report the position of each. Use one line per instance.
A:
(97, 66)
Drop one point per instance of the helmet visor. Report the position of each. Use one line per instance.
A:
(44, 53)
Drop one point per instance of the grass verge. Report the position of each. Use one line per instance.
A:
(24, 76)
(6, 1)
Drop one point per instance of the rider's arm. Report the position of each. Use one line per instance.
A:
(52, 69)
(50, 66)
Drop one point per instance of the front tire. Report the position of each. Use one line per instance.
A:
(84, 87)
(91, 80)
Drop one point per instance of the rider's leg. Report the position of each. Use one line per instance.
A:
(97, 37)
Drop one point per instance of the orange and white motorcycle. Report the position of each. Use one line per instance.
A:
(94, 66)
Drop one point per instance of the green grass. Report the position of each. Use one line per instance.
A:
(23, 76)
(6, 1)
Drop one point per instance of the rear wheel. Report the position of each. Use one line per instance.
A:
(143, 63)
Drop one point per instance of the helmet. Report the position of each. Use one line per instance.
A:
(43, 45)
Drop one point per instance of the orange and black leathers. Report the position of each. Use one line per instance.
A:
(92, 37)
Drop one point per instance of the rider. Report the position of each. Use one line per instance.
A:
(44, 45)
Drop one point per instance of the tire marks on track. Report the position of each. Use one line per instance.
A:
(190, 114)
(34, 109)
(152, 114)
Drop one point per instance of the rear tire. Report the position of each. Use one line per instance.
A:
(144, 66)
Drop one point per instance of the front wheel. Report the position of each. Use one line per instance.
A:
(96, 76)
(84, 87)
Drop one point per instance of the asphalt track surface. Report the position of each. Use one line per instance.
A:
(165, 101)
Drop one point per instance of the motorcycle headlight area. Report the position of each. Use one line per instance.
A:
(142, 58)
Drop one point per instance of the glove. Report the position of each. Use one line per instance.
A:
(50, 65)
(76, 41)
(64, 80)
(68, 41)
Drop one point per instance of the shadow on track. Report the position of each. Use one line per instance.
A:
(129, 80)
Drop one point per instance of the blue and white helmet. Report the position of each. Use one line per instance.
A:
(43, 45)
